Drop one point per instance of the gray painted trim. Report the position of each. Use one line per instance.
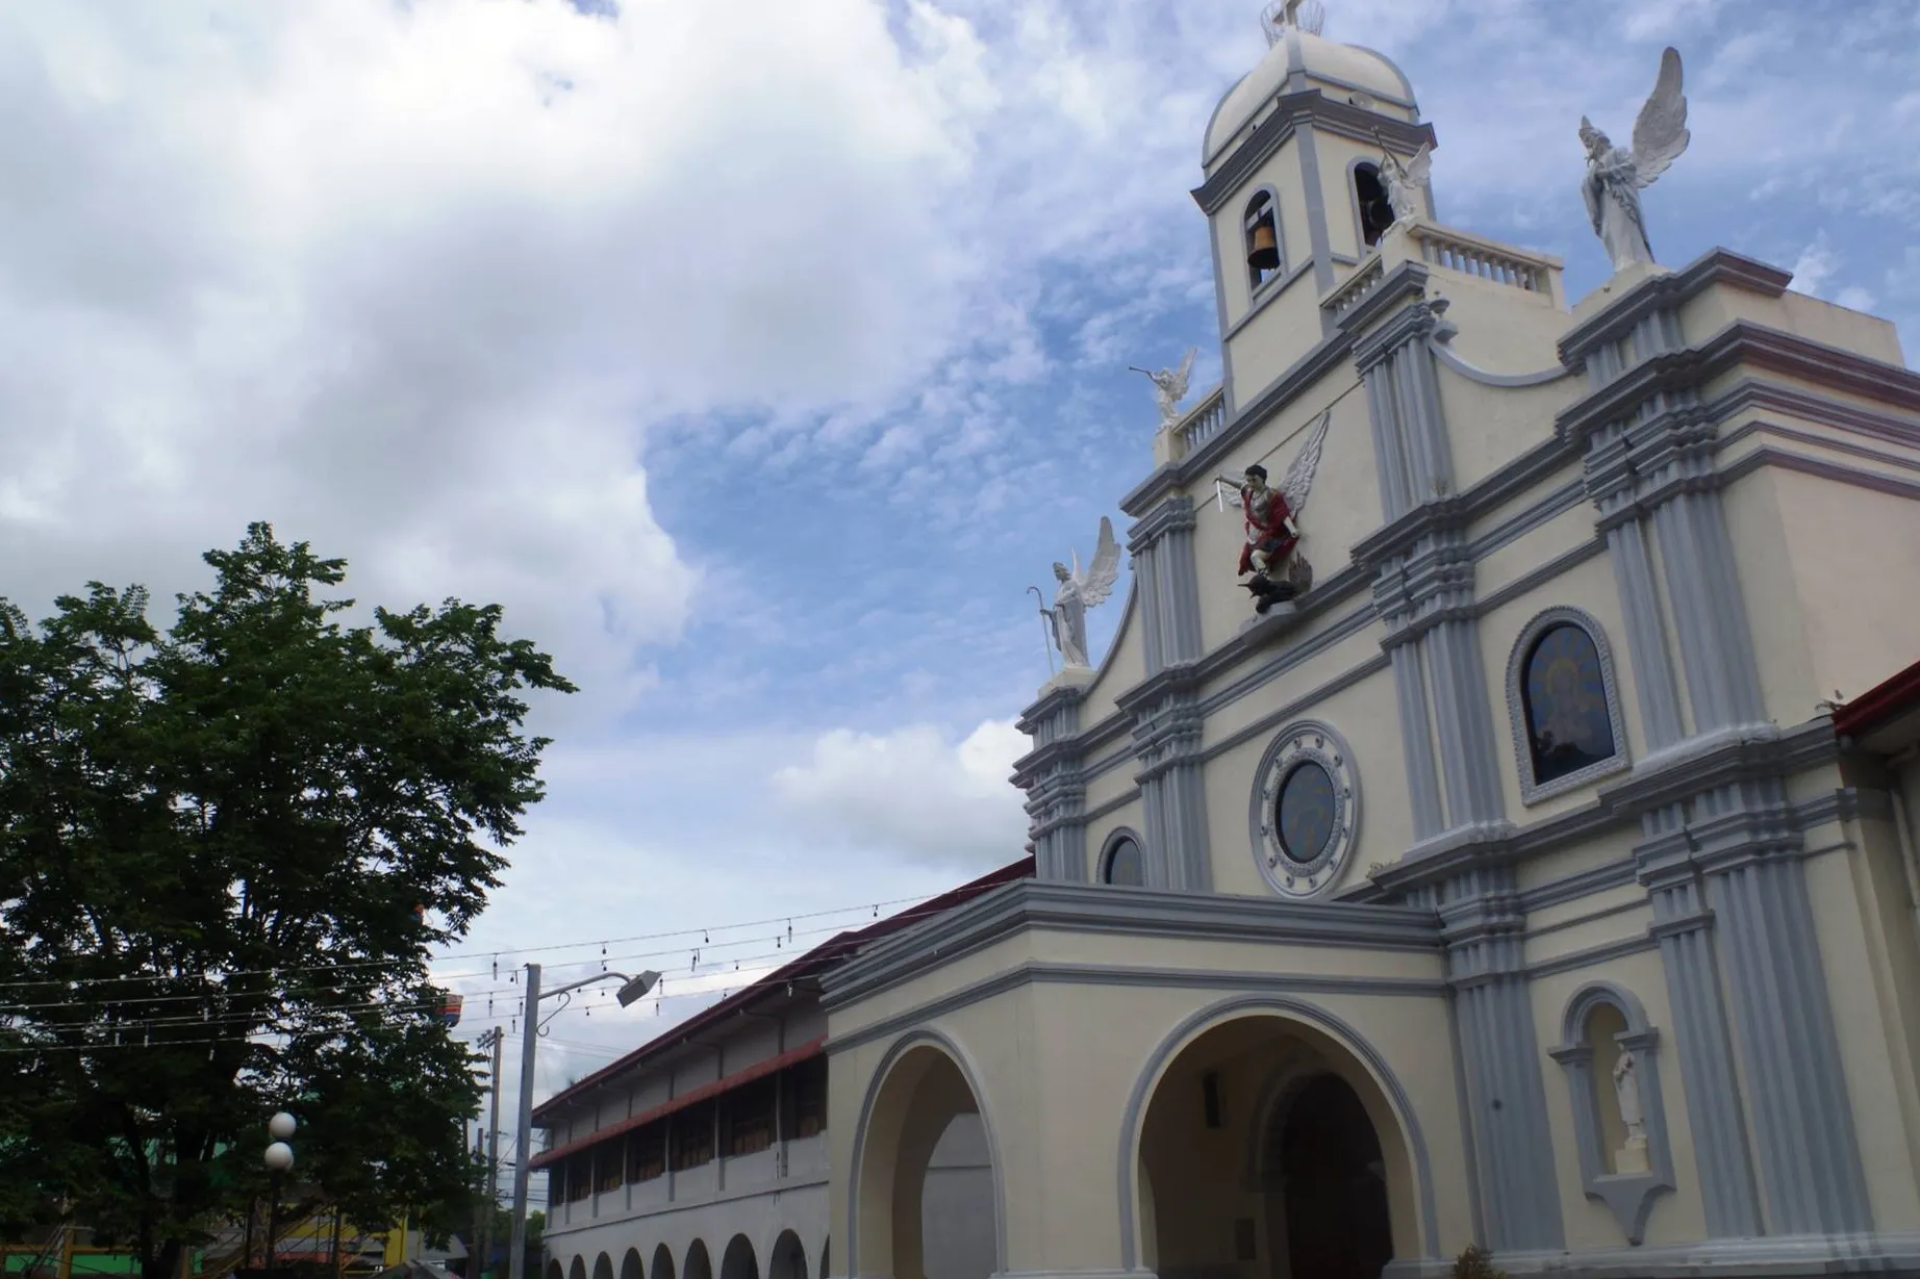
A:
(1473, 373)
(1285, 1008)
(1314, 190)
(1821, 468)
(1842, 415)
(1086, 908)
(1647, 631)
(1292, 111)
(1220, 315)
(1532, 791)
(1605, 953)
(924, 1037)
(1286, 711)
(1549, 507)
(1665, 291)
(1416, 740)
(1535, 578)
(1322, 744)
(1586, 883)
(1794, 435)
(1036, 972)
(1628, 1196)
(1269, 293)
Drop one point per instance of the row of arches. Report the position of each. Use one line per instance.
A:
(787, 1260)
(1267, 1145)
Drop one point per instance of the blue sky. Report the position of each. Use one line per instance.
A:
(758, 356)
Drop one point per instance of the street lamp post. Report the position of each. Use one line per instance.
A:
(279, 1158)
(633, 988)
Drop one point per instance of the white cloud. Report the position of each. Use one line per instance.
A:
(914, 792)
(412, 280)
(1815, 266)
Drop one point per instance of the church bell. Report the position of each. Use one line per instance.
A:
(1265, 253)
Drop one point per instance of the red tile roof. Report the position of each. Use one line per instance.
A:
(830, 954)
(1879, 704)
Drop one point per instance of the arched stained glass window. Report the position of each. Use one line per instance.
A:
(1563, 694)
(1123, 864)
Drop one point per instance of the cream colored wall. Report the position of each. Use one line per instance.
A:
(1589, 587)
(1125, 666)
(1777, 617)
(1386, 821)
(1846, 886)
(1057, 1064)
(1796, 313)
(1491, 426)
(1845, 545)
(1343, 506)
(1677, 1218)
(1275, 339)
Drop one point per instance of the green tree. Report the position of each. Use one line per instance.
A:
(225, 852)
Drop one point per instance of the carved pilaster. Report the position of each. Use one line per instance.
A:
(1167, 726)
(1168, 589)
(1053, 777)
(1483, 927)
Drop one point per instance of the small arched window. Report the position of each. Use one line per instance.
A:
(1123, 864)
(1567, 726)
(1262, 227)
(1376, 211)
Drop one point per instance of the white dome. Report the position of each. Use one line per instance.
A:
(1341, 70)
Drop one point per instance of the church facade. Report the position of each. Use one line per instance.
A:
(1508, 885)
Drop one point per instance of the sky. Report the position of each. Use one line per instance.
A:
(757, 357)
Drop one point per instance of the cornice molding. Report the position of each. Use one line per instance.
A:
(1292, 111)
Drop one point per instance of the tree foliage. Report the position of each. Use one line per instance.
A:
(225, 851)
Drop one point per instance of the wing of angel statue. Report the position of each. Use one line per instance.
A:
(1097, 582)
(1298, 480)
(1660, 133)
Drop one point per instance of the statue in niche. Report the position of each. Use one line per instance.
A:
(1270, 559)
(1080, 591)
(1170, 387)
(1616, 176)
(1632, 1156)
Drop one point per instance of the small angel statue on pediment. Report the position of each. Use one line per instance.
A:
(1080, 591)
(1617, 176)
(1270, 559)
(1170, 387)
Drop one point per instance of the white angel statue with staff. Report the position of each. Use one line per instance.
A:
(1080, 591)
(1617, 176)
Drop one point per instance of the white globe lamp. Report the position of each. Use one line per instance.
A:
(279, 1156)
(281, 1126)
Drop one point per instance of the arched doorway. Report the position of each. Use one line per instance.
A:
(553, 1269)
(630, 1267)
(789, 1260)
(698, 1264)
(662, 1263)
(926, 1198)
(578, 1270)
(1267, 1148)
(603, 1267)
(738, 1261)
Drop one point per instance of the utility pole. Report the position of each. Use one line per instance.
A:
(523, 1130)
(490, 1197)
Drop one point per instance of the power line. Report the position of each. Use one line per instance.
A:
(705, 931)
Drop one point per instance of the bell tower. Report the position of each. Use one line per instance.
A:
(1294, 194)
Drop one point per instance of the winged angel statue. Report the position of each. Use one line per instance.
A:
(1080, 591)
(1616, 176)
(1273, 534)
(1403, 182)
(1170, 387)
